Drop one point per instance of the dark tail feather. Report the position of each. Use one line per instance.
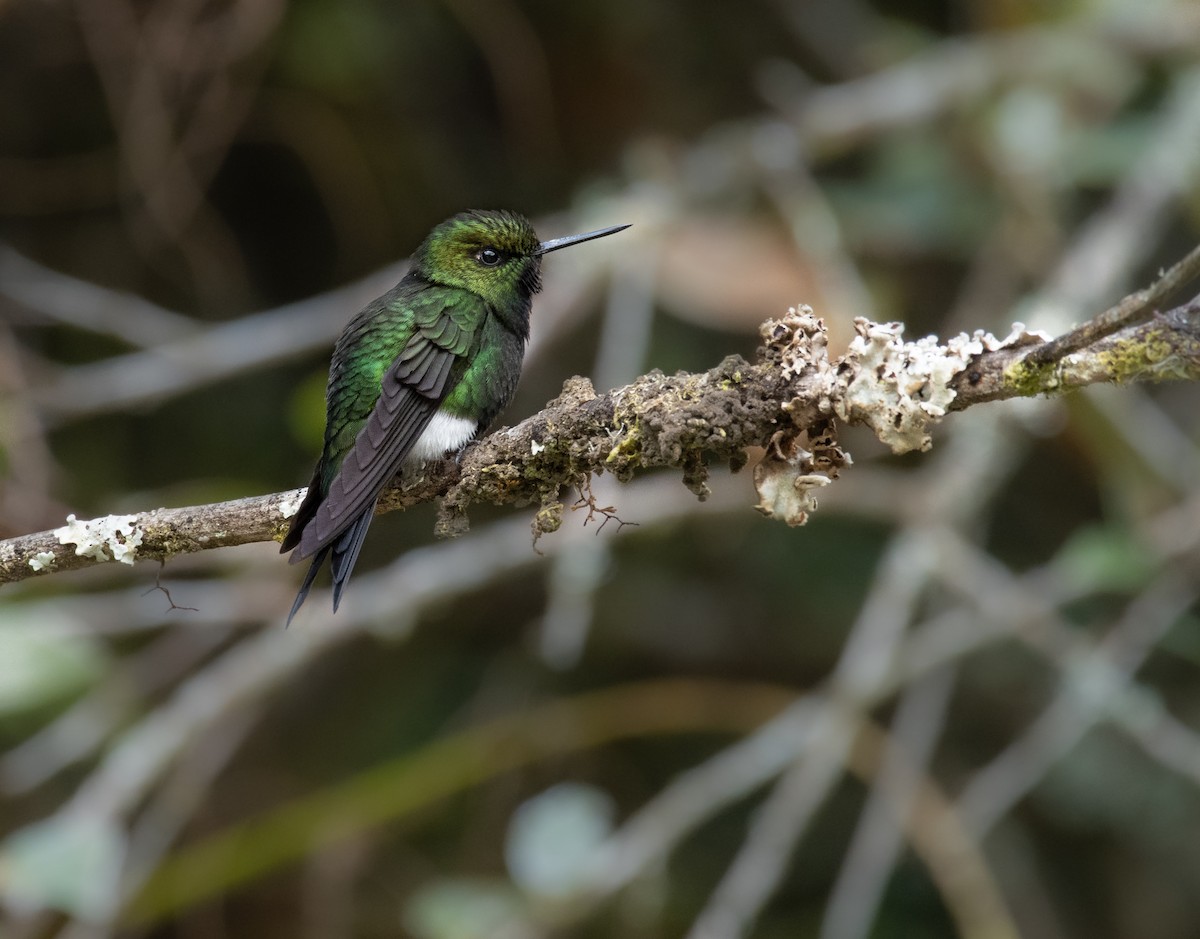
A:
(345, 552)
(308, 581)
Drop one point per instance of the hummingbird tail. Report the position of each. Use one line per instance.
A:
(342, 554)
(308, 581)
(345, 552)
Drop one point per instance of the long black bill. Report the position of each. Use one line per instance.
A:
(555, 243)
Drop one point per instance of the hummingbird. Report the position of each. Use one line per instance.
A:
(418, 374)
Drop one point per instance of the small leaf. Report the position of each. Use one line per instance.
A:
(461, 909)
(1106, 558)
(69, 863)
(42, 661)
(553, 836)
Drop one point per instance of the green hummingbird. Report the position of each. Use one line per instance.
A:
(418, 374)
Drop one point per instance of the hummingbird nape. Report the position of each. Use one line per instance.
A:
(419, 373)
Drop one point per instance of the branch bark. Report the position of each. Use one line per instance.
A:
(789, 403)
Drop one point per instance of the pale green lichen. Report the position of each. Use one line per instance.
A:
(786, 494)
(901, 388)
(290, 505)
(97, 537)
(42, 561)
(625, 454)
(1028, 381)
(1155, 356)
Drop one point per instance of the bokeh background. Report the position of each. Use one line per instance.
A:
(962, 701)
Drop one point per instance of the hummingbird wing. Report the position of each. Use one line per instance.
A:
(423, 372)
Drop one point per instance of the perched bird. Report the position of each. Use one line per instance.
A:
(418, 374)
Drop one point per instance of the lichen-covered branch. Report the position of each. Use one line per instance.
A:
(1132, 309)
(789, 404)
(1164, 347)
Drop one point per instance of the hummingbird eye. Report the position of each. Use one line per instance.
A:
(488, 257)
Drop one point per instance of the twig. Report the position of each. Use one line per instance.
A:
(698, 794)
(899, 389)
(183, 362)
(1123, 234)
(1164, 347)
(878, 837)
(61, 298)
(171, 604)
(955, 861)
(656, 421)
(861, 671)
(1093, 686)
(1135, 307)
(761, 861)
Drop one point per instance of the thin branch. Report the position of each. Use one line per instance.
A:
(878, 838)
(1165, 347)
(1134, 308)
(955, 861)
(778, 825)
(656, 421)
(191, 359)
(1092, 687)
(786, 403)
(61, 298)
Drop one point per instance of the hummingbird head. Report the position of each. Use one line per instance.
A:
(494, 254)
(491, 254)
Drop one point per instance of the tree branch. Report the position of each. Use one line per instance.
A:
(789, 403)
